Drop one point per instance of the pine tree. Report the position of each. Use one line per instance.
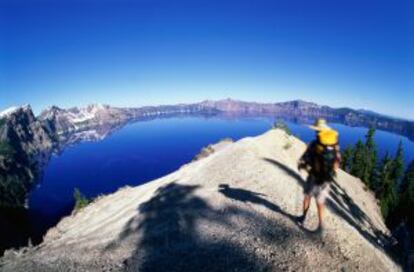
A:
(347, 156)
(80, 200)
(370, 144)
(406, 204)
(370, 158)
(387, 191)
(362, 160)
(407, 177)
(398, 165)
(358, 160)
(410, 198)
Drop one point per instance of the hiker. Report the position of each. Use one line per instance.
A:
(321, 160)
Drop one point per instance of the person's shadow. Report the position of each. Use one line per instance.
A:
(257, 198)
(342, 205)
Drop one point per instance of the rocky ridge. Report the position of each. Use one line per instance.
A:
(233, 209)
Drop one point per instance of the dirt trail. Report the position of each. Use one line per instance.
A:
(233, 210)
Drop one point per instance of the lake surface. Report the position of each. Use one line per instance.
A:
(146, 150)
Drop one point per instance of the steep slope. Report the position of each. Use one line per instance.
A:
(25, 145)
(234, 210)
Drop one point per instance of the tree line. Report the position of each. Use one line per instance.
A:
(387, 177)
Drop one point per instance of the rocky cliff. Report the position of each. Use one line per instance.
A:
(25, 145)
(233, 209)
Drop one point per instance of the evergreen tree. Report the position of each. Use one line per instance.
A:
(80, 200)
(387, 191)
(347, 156)
(406, 204)
(358, 160)
(280, 124)
(398, 165)
(410, 197)
(370, 158)
(407, 177)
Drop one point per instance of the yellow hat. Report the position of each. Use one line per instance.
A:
(320, 125)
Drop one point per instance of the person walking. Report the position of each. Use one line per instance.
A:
(321, 160)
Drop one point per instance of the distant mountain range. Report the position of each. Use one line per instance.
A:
(75, 119)
(27, 141)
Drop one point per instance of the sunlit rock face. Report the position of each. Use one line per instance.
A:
(26, 145)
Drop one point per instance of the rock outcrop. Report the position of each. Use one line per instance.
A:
(234, 209)
(25, 145)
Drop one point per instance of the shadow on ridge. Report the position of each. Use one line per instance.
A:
(342, 205)
(177, 230)
(170, 240)
(253, 197)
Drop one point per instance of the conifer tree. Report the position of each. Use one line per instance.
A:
(407, 177)
(370, 158)
(80, 200)
(347, 156)
(410, 196)
(358, 160)
(406, 204)
(398, 165)
(387, 191)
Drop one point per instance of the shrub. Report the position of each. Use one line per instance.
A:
(279, 124)
(287, 146)
(80, 200)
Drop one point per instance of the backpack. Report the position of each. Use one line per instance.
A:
(325, 156)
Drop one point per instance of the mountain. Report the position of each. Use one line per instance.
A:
(25, 146)
(75, 119)
(234, 208)
(306, 111)
(64, 121)
(61, 121)
(296, 107)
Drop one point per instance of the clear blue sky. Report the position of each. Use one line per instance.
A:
(131, 53)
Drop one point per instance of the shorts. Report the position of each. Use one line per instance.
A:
(319, 191)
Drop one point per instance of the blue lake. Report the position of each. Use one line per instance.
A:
(145, 150)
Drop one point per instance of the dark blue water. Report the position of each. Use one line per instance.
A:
(143, 151)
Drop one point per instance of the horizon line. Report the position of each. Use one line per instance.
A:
(372, 112)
